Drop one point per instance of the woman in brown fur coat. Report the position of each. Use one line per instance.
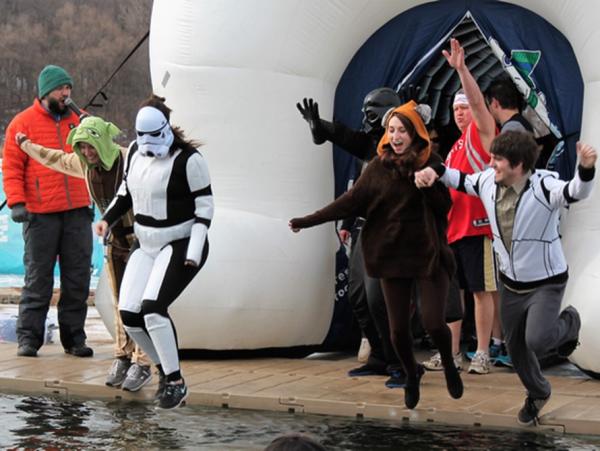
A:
(403, 239)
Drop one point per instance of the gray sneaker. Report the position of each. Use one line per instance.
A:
(118, 372)
(137, 377)
(529, 413)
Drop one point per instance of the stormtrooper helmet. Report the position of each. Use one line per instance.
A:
(154, 134)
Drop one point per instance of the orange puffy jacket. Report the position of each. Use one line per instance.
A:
(25, 180)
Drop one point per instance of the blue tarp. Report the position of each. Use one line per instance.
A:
(11, 246)
(398, 47)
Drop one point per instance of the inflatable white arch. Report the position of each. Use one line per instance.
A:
(232, 72)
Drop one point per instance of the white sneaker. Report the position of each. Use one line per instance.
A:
(480, 363)
(458, 361)
(364, 351)
(435, 362)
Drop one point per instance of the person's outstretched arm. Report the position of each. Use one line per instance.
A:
(452, 178)
(560, 193)
(486, 125)
(352, 203)
(355, 142)
(343, 207)
(55, 159)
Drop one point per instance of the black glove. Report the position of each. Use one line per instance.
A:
(410, 92)
(19, 213)
(309, 109)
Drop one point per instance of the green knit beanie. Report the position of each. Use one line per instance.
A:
(50, 78)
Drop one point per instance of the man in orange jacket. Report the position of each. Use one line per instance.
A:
(54, 210)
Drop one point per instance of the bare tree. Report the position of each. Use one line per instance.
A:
(89, 38)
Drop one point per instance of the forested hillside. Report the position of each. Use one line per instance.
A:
(89, 38)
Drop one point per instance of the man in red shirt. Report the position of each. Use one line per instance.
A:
(469, 233)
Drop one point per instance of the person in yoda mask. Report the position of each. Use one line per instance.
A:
(100, 161)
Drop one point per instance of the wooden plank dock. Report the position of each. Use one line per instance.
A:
(317, 384)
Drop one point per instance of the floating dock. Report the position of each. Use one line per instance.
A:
(317, 384)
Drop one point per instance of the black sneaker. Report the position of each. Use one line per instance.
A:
(397, 379)
(162, 385)
(80, 351)
(173, 395)
(27, 351)
(368, 370)
(571, 316)
(528, 415)
(411, 389)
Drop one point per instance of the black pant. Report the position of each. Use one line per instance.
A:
(433, 294)
(68, 237)
(368, 306)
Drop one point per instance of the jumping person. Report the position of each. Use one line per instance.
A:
(364, 292)
(98, 160)
(403, 240)
(167, 185)
(523, 205)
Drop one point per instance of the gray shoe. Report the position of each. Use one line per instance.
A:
(118, 372)
(529, 413)
(137, 377)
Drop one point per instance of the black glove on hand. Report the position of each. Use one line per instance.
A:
(309, 109)
(410, 92)
(19, 213)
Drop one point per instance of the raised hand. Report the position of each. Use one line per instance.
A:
(410, 92)
(456, 56)
(309, 109)
(587, 155)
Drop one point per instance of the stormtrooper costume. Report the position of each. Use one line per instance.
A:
(170, 193)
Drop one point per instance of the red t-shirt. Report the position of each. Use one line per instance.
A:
(467, 217)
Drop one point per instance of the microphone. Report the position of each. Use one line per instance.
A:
(74, 108)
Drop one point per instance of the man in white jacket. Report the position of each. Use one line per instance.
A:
(523, 204)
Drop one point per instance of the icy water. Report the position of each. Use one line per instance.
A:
(47, 423)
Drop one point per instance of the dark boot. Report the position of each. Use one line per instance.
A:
(411, 390)
(453, 382)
